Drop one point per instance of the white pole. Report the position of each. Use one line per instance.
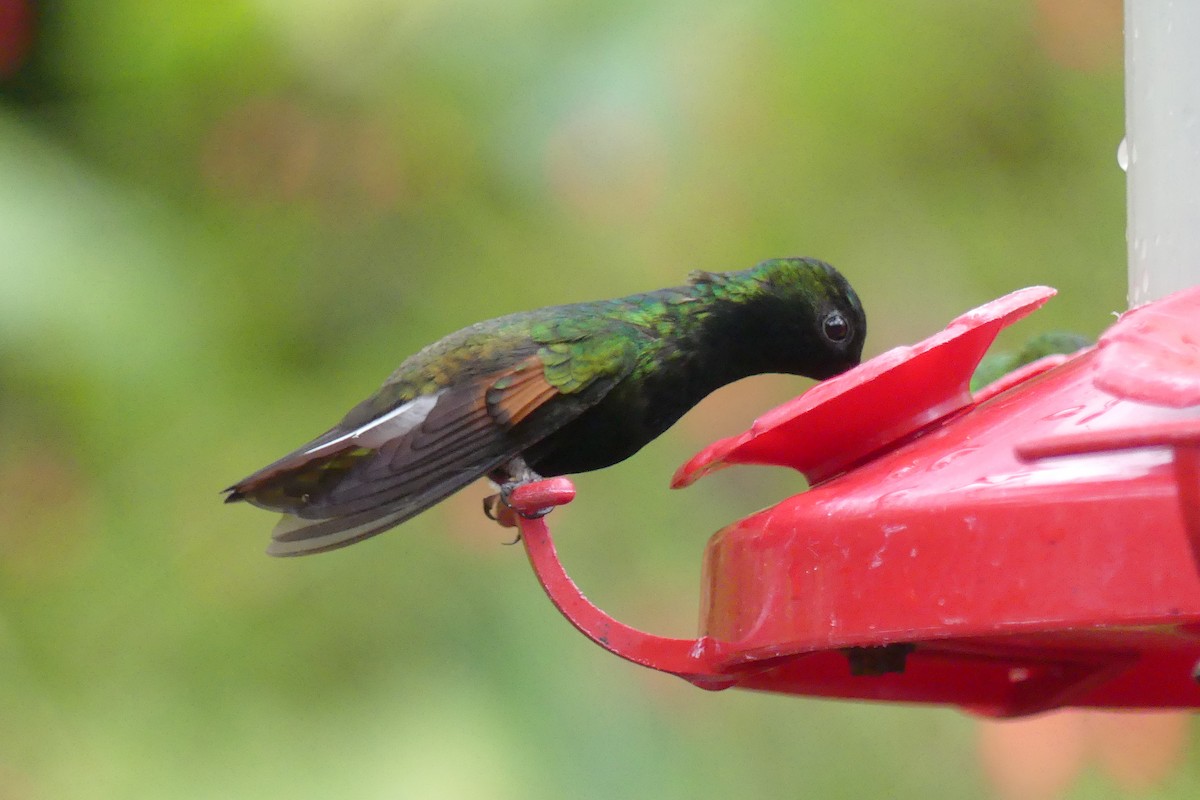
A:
(1162, 146)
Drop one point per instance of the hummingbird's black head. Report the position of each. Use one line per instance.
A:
(801, 317)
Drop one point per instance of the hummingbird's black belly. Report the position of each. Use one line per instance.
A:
(589, 442)
(613, 430)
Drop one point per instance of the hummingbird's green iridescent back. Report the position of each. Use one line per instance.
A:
(558, 390)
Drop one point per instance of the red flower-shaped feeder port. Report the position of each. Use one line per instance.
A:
(1032, 546)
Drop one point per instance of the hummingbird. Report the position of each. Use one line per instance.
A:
(996, 365)
(555, 391)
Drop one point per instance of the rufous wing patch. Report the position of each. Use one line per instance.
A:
(519, 392)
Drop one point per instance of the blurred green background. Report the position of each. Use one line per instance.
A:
(223, 223)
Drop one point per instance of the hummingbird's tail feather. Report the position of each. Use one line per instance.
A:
(359, 480)
(299, 536)
(288, 484)
(295, 536)
(367, 502)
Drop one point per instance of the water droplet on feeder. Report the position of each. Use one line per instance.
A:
(1123, 155)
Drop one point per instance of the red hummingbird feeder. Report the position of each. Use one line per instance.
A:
(1030, 546)
(1034, 545)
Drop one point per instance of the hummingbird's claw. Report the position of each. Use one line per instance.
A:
(495, 509)
(499, 508)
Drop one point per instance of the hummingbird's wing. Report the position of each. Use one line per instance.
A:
(354, 482)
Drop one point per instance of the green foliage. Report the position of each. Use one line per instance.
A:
(222, 224)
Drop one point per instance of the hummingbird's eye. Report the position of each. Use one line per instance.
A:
(835, 327)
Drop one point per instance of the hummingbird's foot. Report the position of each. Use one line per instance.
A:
(499, 508)
(495, 509)
(508, 478)
(505, 516)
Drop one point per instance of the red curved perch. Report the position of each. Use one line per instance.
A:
(693, 660)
